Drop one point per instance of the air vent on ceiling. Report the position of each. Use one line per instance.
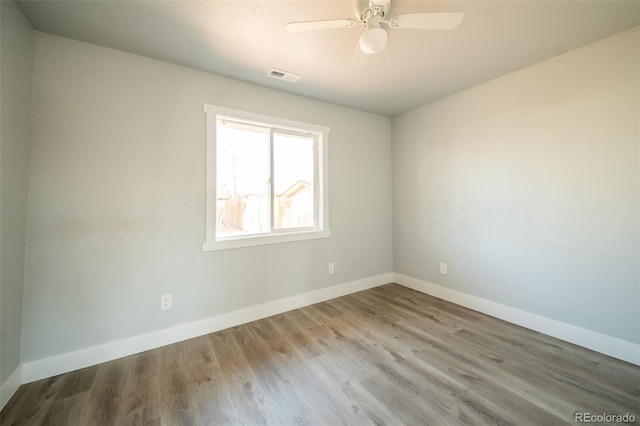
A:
(283, 75)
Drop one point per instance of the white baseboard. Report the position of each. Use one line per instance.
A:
(63, 363)
(608, 345)
(10, 386)
(58, 364)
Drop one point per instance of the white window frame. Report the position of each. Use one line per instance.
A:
(321, 228)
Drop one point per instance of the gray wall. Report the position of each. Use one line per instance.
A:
(16, 74)
(116, 200)
(528, 188)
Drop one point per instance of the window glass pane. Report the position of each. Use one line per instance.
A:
(293, 184)
(242, 179)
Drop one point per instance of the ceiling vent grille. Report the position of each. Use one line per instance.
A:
(283, 75)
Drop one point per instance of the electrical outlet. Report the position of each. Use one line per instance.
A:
(443, 268)
(166, 301)
(332, 268)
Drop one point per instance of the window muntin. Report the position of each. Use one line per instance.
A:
(266, 180)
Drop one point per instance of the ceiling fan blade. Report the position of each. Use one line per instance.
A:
(427, 20)
(360, 59)
(296, 27)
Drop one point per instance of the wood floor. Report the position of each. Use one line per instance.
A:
(388, 355)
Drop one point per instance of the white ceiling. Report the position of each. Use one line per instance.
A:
(244, 39)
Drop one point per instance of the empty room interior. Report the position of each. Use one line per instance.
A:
(319, 212)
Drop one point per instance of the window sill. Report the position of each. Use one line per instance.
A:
(258, 240)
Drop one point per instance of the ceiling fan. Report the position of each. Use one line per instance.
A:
(374, 13)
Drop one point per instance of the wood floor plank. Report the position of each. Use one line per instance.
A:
(208, 398)
(565, 383)
(140, 390)
(564, 356)
(492, 364)
(286, 325)
(67, 411)
(384, 356)
(315, 391)
(102, 407)
(32, 404)
(174, 397)
(246, 400)
(77, 383)
(278, 401)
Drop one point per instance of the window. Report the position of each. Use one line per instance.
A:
(266, 180)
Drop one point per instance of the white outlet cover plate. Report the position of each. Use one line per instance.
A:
(166, 301)
(443, 268)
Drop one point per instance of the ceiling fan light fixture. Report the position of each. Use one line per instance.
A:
(373, 40)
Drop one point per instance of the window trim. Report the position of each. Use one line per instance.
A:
(321, 230)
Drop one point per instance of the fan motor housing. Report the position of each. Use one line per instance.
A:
(367, 8)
